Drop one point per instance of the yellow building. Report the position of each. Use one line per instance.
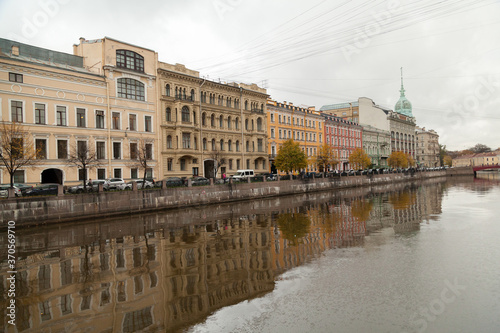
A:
(208, 126)
(102, 98)
(286, 121)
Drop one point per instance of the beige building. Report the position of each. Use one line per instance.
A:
(102, 98)
(302, 124)
(208, 126)
(427, 148)
(377, 144)
(481, 159)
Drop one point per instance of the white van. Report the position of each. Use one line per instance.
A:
(243, 174)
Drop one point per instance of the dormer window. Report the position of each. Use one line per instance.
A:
(129, 60)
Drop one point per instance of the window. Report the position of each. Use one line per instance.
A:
(133, 151)
(183, 164)
(81, 147)
(213, 144)
(272, 133)
(101, 173)
(204, 119)
(19, 176)
(132, 122)
(62, 149)
(99, 119)
(221, 121)
(14, 77)
(147, 124)
(229, 145)
(272, 117)
(167, 90)
(221, 144)
(204, 144)
(116, 120)
(16, 109)
(260, 146)
(117, 173)
(229, 122)
(61, 116)
(237, 146)
(129, 60)
(80, 118)
(149, 151)
(186, 140)
(169, 142)
(169, 164)
(117, 147)
(185, 114)
(134, 173)
(212, 120)
(130, 89)
(41, 149)
(40, 113)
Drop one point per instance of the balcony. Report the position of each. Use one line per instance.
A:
(184, 98)
(257, 111)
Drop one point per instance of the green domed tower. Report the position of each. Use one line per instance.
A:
(403, 106)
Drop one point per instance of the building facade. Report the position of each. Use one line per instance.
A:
(344, 137)
(208, 126)
(377, 144)
(130, 119)
(427, 148)
(301, 124)
(60, 103)
(366, 113)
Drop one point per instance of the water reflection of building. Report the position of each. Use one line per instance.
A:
(142, 272)
(162, 280)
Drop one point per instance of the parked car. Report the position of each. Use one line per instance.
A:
(197, 181)
(140, 184)
(114, 184)
(4, 191)
(23, 187)
(243, 174)
(43, 189)
(174, 181)
(92, 186)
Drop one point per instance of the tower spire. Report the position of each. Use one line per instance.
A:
(402, 88)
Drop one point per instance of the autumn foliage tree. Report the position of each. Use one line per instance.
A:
(359, 159)
(326, 158)
(290, 157)
(17, 148)
(398, 159)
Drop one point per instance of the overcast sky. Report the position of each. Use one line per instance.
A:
(310, 53)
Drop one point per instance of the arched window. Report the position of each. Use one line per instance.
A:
(212, 120)
(213, 144)
(194, 118)
(192, 95)
(221, 121)
(204, 119)
(262, 108)
(252, 125)
(168, 114)
(129, 60)
(130, 89)
(246, 105)
(221, 144)
(229, 122)
(229, 145)
(167, 90)
(169, 142)
(236, 123)
(204, 144)
(228, 102)
(237, 145)
(185, 114)
(246, 124)
(248, 146)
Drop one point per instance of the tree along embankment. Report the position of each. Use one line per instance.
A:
(55, 209)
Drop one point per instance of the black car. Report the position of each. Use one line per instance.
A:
(198, 181)
(43, 189)
(174, 181)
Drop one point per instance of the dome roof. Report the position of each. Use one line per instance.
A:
(403, 105)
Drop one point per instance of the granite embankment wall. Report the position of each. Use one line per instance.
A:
(53, 209)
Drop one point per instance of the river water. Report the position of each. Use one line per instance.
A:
(412, 257)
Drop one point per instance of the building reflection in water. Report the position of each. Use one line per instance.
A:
(170, 270)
